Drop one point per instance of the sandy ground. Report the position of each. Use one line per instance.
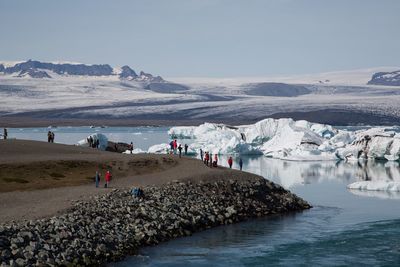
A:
(26, 202)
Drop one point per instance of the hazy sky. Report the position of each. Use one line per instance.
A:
(216, 38)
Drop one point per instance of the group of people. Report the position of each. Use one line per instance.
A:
(50, 137)
(174, 147)
(206, 157)
(93, 143)
(107, 179)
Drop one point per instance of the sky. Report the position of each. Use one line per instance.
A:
(205, 38)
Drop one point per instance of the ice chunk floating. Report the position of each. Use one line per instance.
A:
(291, 140)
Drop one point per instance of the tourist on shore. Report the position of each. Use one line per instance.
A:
(206, 158)
(180, 150)
(48, 136)
(201, 154)
(97, 143)
(230, 162)
(211, 163)
(240, 163)
(186, 149)
(5, 134)
(52, 137)
(108, 179)
(97, 179)
(175, 146)
(131, 147)
(171, 145)
(215, 163)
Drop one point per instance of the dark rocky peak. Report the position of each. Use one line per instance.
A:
(127, 73)
(143, 76)
(64, 68)
(34, 73)
(386, 78)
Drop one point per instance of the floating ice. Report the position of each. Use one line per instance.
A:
(135, 151)
(292, 140)
(376, 186)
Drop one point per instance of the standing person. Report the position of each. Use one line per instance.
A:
(97, 143)
(240, 163)
(211, 163)
(97, 179)
(186, 149)
(48, 137)
(175, 146)
(108, 179)
(5, 133)
(171, 144)
(206, 158)
(131, 147)
(180, 150)
(201, 154)
(215, 160)
(52, 137)
(230, 162)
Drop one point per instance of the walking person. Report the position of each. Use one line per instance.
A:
(230, 162)
(131, 147)
(240, 163)
(201, 154)
(97, 178)
(108, 179)
(186, 149)
(5, 134)
(48, 136)
(180, 150)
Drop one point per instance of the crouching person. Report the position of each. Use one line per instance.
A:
(137, 192)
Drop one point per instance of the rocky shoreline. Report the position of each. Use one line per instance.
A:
(109, 227)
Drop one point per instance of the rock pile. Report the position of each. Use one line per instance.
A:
(109, 227)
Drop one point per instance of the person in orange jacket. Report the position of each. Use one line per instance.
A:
(230, 162)
(107, 178)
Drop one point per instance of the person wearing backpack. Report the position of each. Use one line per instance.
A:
(180, 150)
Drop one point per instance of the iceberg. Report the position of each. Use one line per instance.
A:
(291, 140)
(134, 151)
(375, 186)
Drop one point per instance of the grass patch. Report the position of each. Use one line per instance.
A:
(15, 180)
(57, 175)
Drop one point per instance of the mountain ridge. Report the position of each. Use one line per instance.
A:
(40, 70)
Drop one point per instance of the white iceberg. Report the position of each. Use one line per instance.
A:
(134, 151)
(292, 140)
(375, 186)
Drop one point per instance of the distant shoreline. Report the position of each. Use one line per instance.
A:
(336, 117)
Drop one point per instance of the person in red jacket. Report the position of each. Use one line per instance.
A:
(107, 178)
(230, 162)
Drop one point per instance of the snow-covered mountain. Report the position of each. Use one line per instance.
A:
(38, 69)
(386, 78)
(88, 92)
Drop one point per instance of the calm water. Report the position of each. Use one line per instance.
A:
(344, 227)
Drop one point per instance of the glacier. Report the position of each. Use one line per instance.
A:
(289, 139)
